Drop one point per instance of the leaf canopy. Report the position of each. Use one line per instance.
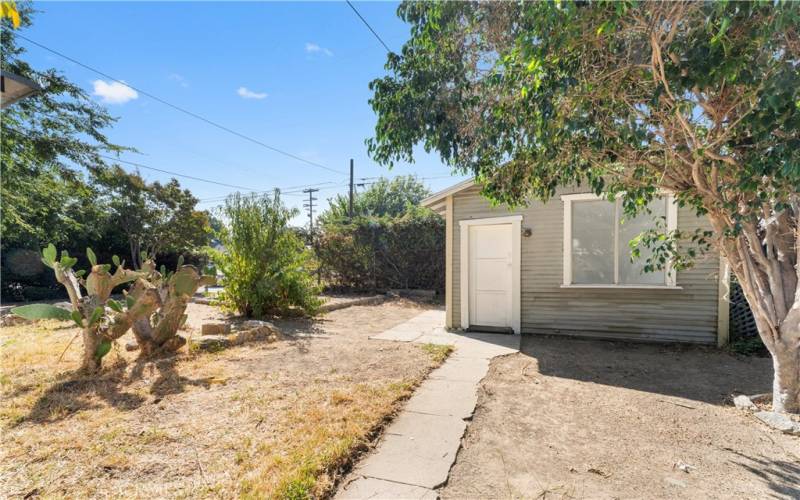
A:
(627, 96)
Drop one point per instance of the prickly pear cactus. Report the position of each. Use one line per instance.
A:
(158, 333)
(101, 318)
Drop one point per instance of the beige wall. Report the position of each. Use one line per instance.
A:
(686, 315)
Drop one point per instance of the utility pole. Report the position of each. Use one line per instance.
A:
(350, 209)
(310, 206)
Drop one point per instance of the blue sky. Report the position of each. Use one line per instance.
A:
(292, 75)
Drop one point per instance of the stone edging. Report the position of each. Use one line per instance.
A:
(360, 301)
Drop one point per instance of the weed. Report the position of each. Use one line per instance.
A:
(153, 435)
(438, 353)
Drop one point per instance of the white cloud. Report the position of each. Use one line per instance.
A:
(114, 92)
(179, 79)
(313, 48)
(246, 93)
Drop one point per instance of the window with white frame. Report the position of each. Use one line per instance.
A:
(596, 242)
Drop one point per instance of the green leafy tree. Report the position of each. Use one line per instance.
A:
(699, 98)
(152, 217)
(265, 266)
(383, 197)
(44, 138)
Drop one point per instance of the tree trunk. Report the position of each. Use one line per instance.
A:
(786, 382)
(90, 363)
(158, 333)
(766, 265)
(783, 344)
(153, 342)
(785, 351)
(144, 337)
(135, 255)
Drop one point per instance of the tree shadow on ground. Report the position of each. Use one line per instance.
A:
(75, 392)
(295, 327)
(693, 372)
(781, 476)
(168, 380)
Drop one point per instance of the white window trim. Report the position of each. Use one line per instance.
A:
(672, 224)
(516, 254)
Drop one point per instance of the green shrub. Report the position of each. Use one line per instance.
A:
(266, 267)
(749, 346)
(345, 253)
(383, 252)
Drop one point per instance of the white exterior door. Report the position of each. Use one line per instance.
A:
(490, 275)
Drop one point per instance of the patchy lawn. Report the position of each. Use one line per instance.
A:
(586, 419)
(260, 420)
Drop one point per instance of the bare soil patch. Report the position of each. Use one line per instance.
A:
(260, 420)
(569, 418)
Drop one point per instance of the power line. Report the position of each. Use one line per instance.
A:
(234, 186)
(139, 165)
(405, 175)
(285, 190)
(147, 167)
(370, 28)
(289, 189)
(295, 190)
(182, 110)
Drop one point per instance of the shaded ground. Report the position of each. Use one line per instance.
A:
(260, 419)
(572, 418)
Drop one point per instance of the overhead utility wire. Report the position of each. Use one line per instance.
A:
(176, 174)
(139, 165)
(182, 110)
(284, 190)
(293, 192)
(370, 27)
(296, 189)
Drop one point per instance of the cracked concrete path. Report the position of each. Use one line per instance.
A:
(417, 450)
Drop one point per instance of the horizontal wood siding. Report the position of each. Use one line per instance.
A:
(685, 315)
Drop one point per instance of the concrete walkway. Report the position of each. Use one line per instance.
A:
(417, 450)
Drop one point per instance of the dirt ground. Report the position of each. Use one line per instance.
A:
(259, 420)
(571, 418)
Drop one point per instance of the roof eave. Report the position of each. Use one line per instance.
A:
(436, 198)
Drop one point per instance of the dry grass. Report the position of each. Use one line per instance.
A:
(323, 433)
(276, 420)
(28, 354)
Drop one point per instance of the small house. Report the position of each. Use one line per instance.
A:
(564, 267)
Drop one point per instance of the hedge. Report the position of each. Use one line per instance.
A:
(380, 253)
